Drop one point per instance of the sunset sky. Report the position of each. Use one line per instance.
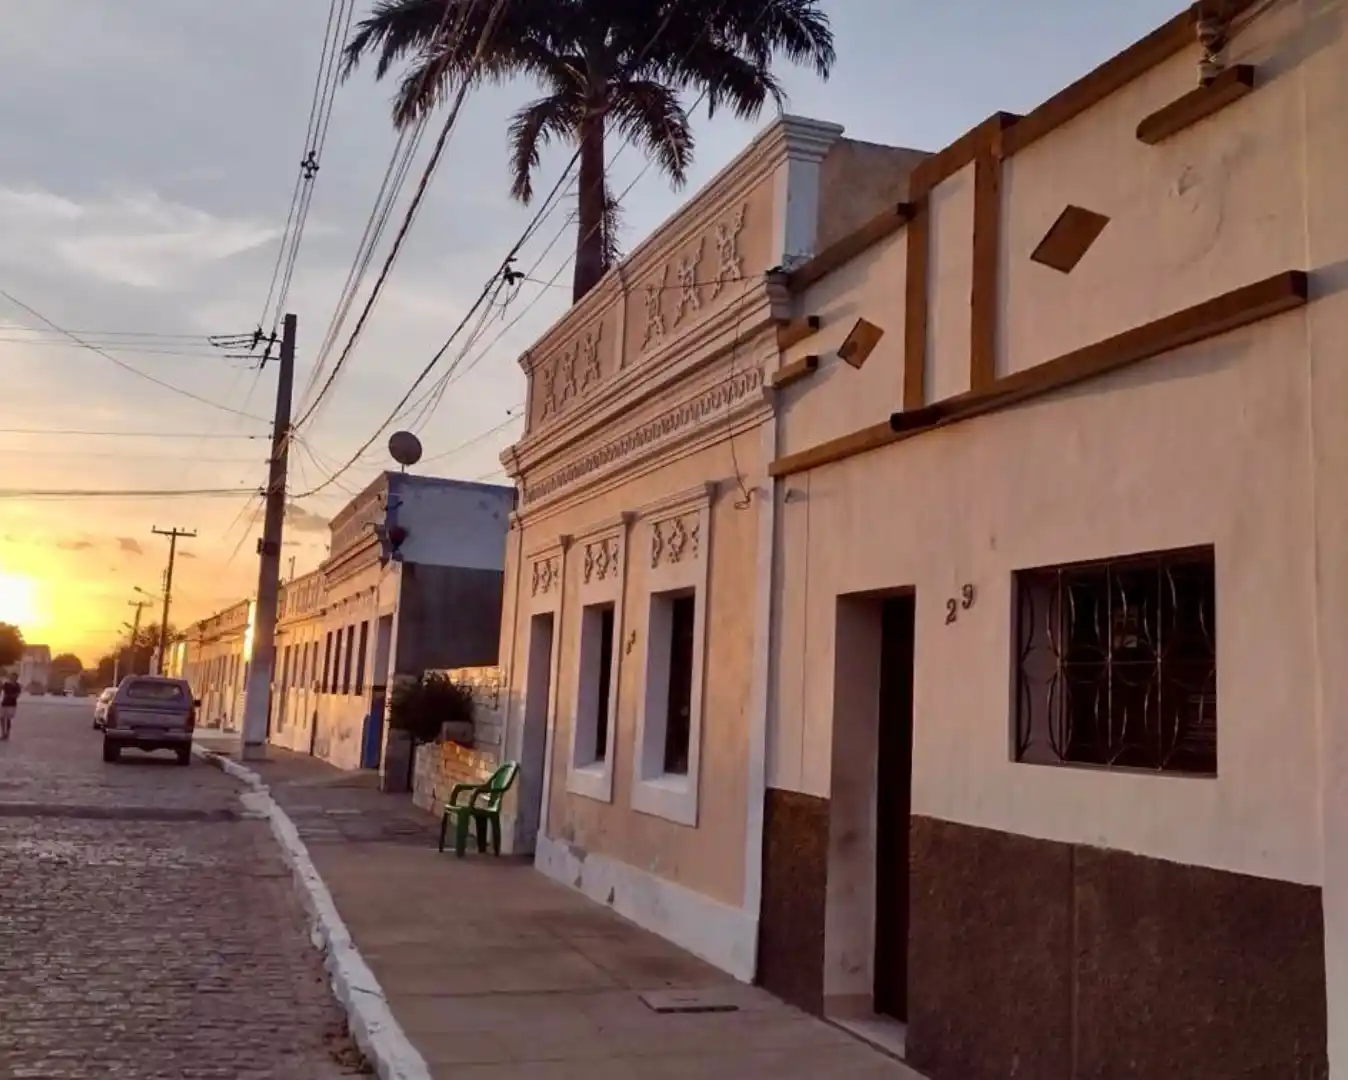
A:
(149, 151)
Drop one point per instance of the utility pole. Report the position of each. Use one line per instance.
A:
(173, 535)
(257, 697)
(134, 627)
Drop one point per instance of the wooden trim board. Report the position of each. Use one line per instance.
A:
(1250, 304)
(1227, 88)
(848, 247)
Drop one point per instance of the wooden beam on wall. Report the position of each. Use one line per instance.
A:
(1227, 88)
(985, 291)
(1241, 307)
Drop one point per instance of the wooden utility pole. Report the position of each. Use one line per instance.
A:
(173, 535)
(139, 605)
(257, 696)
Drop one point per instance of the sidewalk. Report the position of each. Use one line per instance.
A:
(497, 973)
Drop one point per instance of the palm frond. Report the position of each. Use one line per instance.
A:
(539, 123)
(651, 116)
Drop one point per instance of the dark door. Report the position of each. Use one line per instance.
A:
(893, 807)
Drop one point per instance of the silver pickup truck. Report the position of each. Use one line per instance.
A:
(150, 712)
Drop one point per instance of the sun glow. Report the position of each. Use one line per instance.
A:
(18, 600)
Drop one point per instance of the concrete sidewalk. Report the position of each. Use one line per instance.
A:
(497, 973)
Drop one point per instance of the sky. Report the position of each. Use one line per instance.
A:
(148, 152)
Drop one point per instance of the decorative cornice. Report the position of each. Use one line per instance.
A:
(715, 400)
(735, 326)
(787, 136)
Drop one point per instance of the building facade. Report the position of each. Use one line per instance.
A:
(1057, 720)
(635, 630)
(34, 667)
(215, 664)
(942, 628)
(412, 583)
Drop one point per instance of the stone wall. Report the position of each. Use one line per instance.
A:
(439, 766)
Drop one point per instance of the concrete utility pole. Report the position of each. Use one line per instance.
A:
(257, 697)
(173, 535)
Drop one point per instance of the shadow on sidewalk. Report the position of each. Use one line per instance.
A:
(497, 973)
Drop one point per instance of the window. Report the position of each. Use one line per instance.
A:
(360, 657)
(285, 669)
(1117, 664)
(160, 691)
(326, 685)
(346, 660)
(596, 684)
(679, 702)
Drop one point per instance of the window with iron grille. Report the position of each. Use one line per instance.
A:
(1116, 664)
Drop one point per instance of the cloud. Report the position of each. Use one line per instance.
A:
(186, 555)
(74, 545)
(302, 520)
(137, 239)
(131, 547)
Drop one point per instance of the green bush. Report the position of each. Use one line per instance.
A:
(422, 708)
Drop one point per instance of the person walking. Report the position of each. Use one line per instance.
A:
(9, 704)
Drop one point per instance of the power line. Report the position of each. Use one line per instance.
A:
(340, 13)
(503, 273)
(126, 493)
(129, 348)
(414, 206)
(124, 434)
(511, 418)
(122, 363)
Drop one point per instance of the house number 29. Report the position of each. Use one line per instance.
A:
(964, 601)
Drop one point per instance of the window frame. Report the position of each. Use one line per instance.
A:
(601, 571)
(347, 658)
(675, 541)
(364, 647)
(1044, 735)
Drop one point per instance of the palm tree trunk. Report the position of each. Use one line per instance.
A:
(592, 202)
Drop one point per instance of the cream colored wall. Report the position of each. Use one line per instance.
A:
(857, 180)
(1208, 446)
(950, 264)
(1215, 207)
(363, 597)
(710, 858)
(838, 398)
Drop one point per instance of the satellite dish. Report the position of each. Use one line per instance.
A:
(405, 448)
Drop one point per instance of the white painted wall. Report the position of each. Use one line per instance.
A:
(453, 522)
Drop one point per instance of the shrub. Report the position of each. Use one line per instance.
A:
(422, 708)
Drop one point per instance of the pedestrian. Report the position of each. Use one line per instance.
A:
(9, 702)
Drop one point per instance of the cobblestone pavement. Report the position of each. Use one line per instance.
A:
(148, 928)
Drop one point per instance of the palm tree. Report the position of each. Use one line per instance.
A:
(605, 66)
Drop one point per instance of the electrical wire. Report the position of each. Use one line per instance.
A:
(340, 14)
(123, 493)
(432, 164)
(124, 434)
(390, 189)
(512, 417)
(491, 289)
(122, 363)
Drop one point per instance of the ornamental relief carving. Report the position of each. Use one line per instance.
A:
(572, 373)
(603, 559)
(547, 574)
(654, 298)
(676, 539)
(729, 260)
(714, 400)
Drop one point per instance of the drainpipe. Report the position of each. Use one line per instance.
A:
(760, 686)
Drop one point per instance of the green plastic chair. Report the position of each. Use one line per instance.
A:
(483, 809)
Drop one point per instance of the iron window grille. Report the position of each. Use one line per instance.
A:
(1116, 664)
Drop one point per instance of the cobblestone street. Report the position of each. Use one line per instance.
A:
(147, 928)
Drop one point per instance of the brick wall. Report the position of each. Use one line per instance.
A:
(439, 766)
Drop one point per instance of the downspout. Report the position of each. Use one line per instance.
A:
(760, 685)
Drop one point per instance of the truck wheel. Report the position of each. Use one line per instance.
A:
(111, 751)
(185, 757)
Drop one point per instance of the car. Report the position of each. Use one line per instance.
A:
(101, 706)
(150, 712)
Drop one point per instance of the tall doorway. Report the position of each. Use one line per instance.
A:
(533, 744)
(373, 750)
(893, 806)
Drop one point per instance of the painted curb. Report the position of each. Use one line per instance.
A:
(374, 1027)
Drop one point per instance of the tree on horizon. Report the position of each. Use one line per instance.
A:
(606, 67)
(11, 644)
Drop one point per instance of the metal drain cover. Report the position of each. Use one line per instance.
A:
(688, 1001)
